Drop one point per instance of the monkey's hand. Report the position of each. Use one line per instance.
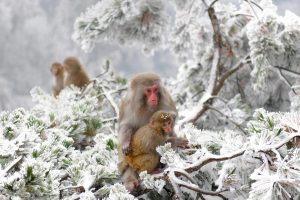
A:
(126, 148)
(182, 142)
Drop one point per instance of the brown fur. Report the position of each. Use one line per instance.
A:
(135, 113)
(57, 71)
(143, 155)
(76, 74)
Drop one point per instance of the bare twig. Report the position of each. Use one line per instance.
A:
(258, 6)
(213, 158)
(111, 101)
(286, 81)
(288, 70)
(228, 118)
(250, 4)
(195, 187)
(77, 187)
(13, 164)
(110, 119)
(213, 3)
(227, 74)
(106, 68)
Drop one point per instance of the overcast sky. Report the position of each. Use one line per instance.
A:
(35, 33)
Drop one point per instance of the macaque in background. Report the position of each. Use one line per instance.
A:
(144, 97)
(143, 155)
(76, 75)
(57, 71)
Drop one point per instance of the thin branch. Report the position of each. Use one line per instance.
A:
(77, 187)
(206, 102)
(12, 165)
(212, 3)
(258, 6)
(110, 119)
(86, 86)
(113, 91)
(288, 70)
(242, 14)
(227, 74)
(187, 175)
(198, 93)
(105, 67)
(195, 187)
(111, 101)
(230, 120)
(286, 81)
(199, 114)
(250, 4)
(213, 158)
(175, 185)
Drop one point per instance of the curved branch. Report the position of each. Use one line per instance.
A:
(111, 101)
(286, 81)
(213, 158)
(195, 187)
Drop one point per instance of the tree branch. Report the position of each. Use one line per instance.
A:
(10, 166)
(111, 101)
(213, 158)
(227, 117)
(193, 186)
(250, 4)
(171, 175)
(288, 70)
(286, 81)
(215, 85)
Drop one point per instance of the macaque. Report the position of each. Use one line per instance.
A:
(144, 97)
(57, 71)
(76, 75)
(143, 155)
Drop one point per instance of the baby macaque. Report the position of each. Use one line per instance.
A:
(143, 155)
(57, 71)
(76, 74)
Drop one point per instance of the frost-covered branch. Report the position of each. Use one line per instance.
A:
(12, 165)
(192, 186)
(111, 101)
(228, 118)
(287, 81)
(292, 72)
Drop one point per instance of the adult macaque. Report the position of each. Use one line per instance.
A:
(57, 71)
(76, 74)
(143, 155)
(144, 97)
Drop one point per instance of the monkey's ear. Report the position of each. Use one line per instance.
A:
(174, 116)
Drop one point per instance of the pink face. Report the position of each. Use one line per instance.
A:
(151, 93)
(167, 127)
